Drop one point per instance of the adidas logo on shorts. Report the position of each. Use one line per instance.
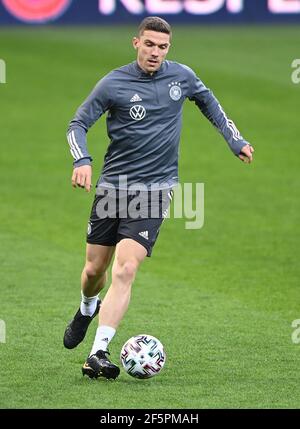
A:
(144, 234)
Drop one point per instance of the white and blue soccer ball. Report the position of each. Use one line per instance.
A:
(143, 356)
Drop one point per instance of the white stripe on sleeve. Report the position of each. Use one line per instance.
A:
(72, 149)
(75, 144)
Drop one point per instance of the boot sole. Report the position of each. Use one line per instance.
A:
(107, 373)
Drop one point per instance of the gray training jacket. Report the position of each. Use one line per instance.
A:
(144, 120)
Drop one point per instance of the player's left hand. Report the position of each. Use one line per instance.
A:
(246, 154)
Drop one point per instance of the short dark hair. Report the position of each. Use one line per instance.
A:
(155, 23)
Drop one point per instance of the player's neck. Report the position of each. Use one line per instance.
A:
(145, 71)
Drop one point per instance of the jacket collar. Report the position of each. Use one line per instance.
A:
(141, 73)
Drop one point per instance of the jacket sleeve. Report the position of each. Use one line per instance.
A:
(96, 104)
(211, 108)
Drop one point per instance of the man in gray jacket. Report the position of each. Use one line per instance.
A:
(144, 102)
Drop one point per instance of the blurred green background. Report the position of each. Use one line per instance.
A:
(221, 299)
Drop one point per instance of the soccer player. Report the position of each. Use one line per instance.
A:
(144, 102)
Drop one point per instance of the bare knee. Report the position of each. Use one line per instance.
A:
(94, 272)
(125, 272)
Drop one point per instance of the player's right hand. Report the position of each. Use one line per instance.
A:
(246, 154)
(82, 177)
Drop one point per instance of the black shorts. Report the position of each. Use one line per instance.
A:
(128, 214)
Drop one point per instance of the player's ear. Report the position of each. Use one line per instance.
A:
(135, 42)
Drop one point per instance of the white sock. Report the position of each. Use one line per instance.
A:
(103, 337)
(88, 305)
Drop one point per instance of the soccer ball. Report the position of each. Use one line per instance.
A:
(143, 356)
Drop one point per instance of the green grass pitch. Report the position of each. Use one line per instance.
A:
(221, 299)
